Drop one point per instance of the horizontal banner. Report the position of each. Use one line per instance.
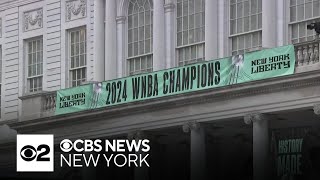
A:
(258, 65)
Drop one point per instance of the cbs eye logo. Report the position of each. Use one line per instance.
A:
(29, 153)
(35, 153)
(66, 145)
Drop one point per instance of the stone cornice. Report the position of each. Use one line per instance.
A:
(211, 95)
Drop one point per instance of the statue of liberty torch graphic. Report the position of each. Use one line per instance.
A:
(235, 72)
(97, 89)
(237, 63)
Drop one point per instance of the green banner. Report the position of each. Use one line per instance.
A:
(258, 65)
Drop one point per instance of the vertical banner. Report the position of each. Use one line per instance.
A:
(295, 153)
(287, 152)
(253, 66)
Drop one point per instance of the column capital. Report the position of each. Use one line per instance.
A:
(169, 7)
(7, 134)
(120, 19)
(191, 125)
(316, 109)
(254, 117)
(136, 135)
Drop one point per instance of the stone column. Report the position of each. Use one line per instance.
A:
(110, 40)
(269, 23)
(198, 153)
(159, 61)
(211, 30)
(99, 65)
(121, 66)
(140, 173)
(222, 30)
(169, 34)
(260, 134)
(281, 19)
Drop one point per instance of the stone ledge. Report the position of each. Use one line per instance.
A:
(37, 94)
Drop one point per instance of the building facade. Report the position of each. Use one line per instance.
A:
(48, 45)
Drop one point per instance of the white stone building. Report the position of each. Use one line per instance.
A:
(47, 45)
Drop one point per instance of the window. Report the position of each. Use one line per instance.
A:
(303, 12)
(35, 65)
(190, 31)
(140, 18)
(77, 56)
(245, 25)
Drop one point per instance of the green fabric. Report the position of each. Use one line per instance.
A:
(253, 66)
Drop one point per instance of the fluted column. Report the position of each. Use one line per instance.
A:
(211, 30)
(169, 34)
(260, 145)
(159, 61)
(99, 65)
(110, 40)
(121, 68)
(198, 153)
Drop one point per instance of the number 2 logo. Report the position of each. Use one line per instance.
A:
(29, 153)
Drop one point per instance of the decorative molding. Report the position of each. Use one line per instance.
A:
(316, 109)
(254, 117)
(76, 9)
(120, 19)
(169, 7)
(190, 126)
(33, 19)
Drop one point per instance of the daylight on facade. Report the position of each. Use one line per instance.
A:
(247, 104)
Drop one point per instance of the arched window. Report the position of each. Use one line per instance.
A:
(140, 17)
(190, 31)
